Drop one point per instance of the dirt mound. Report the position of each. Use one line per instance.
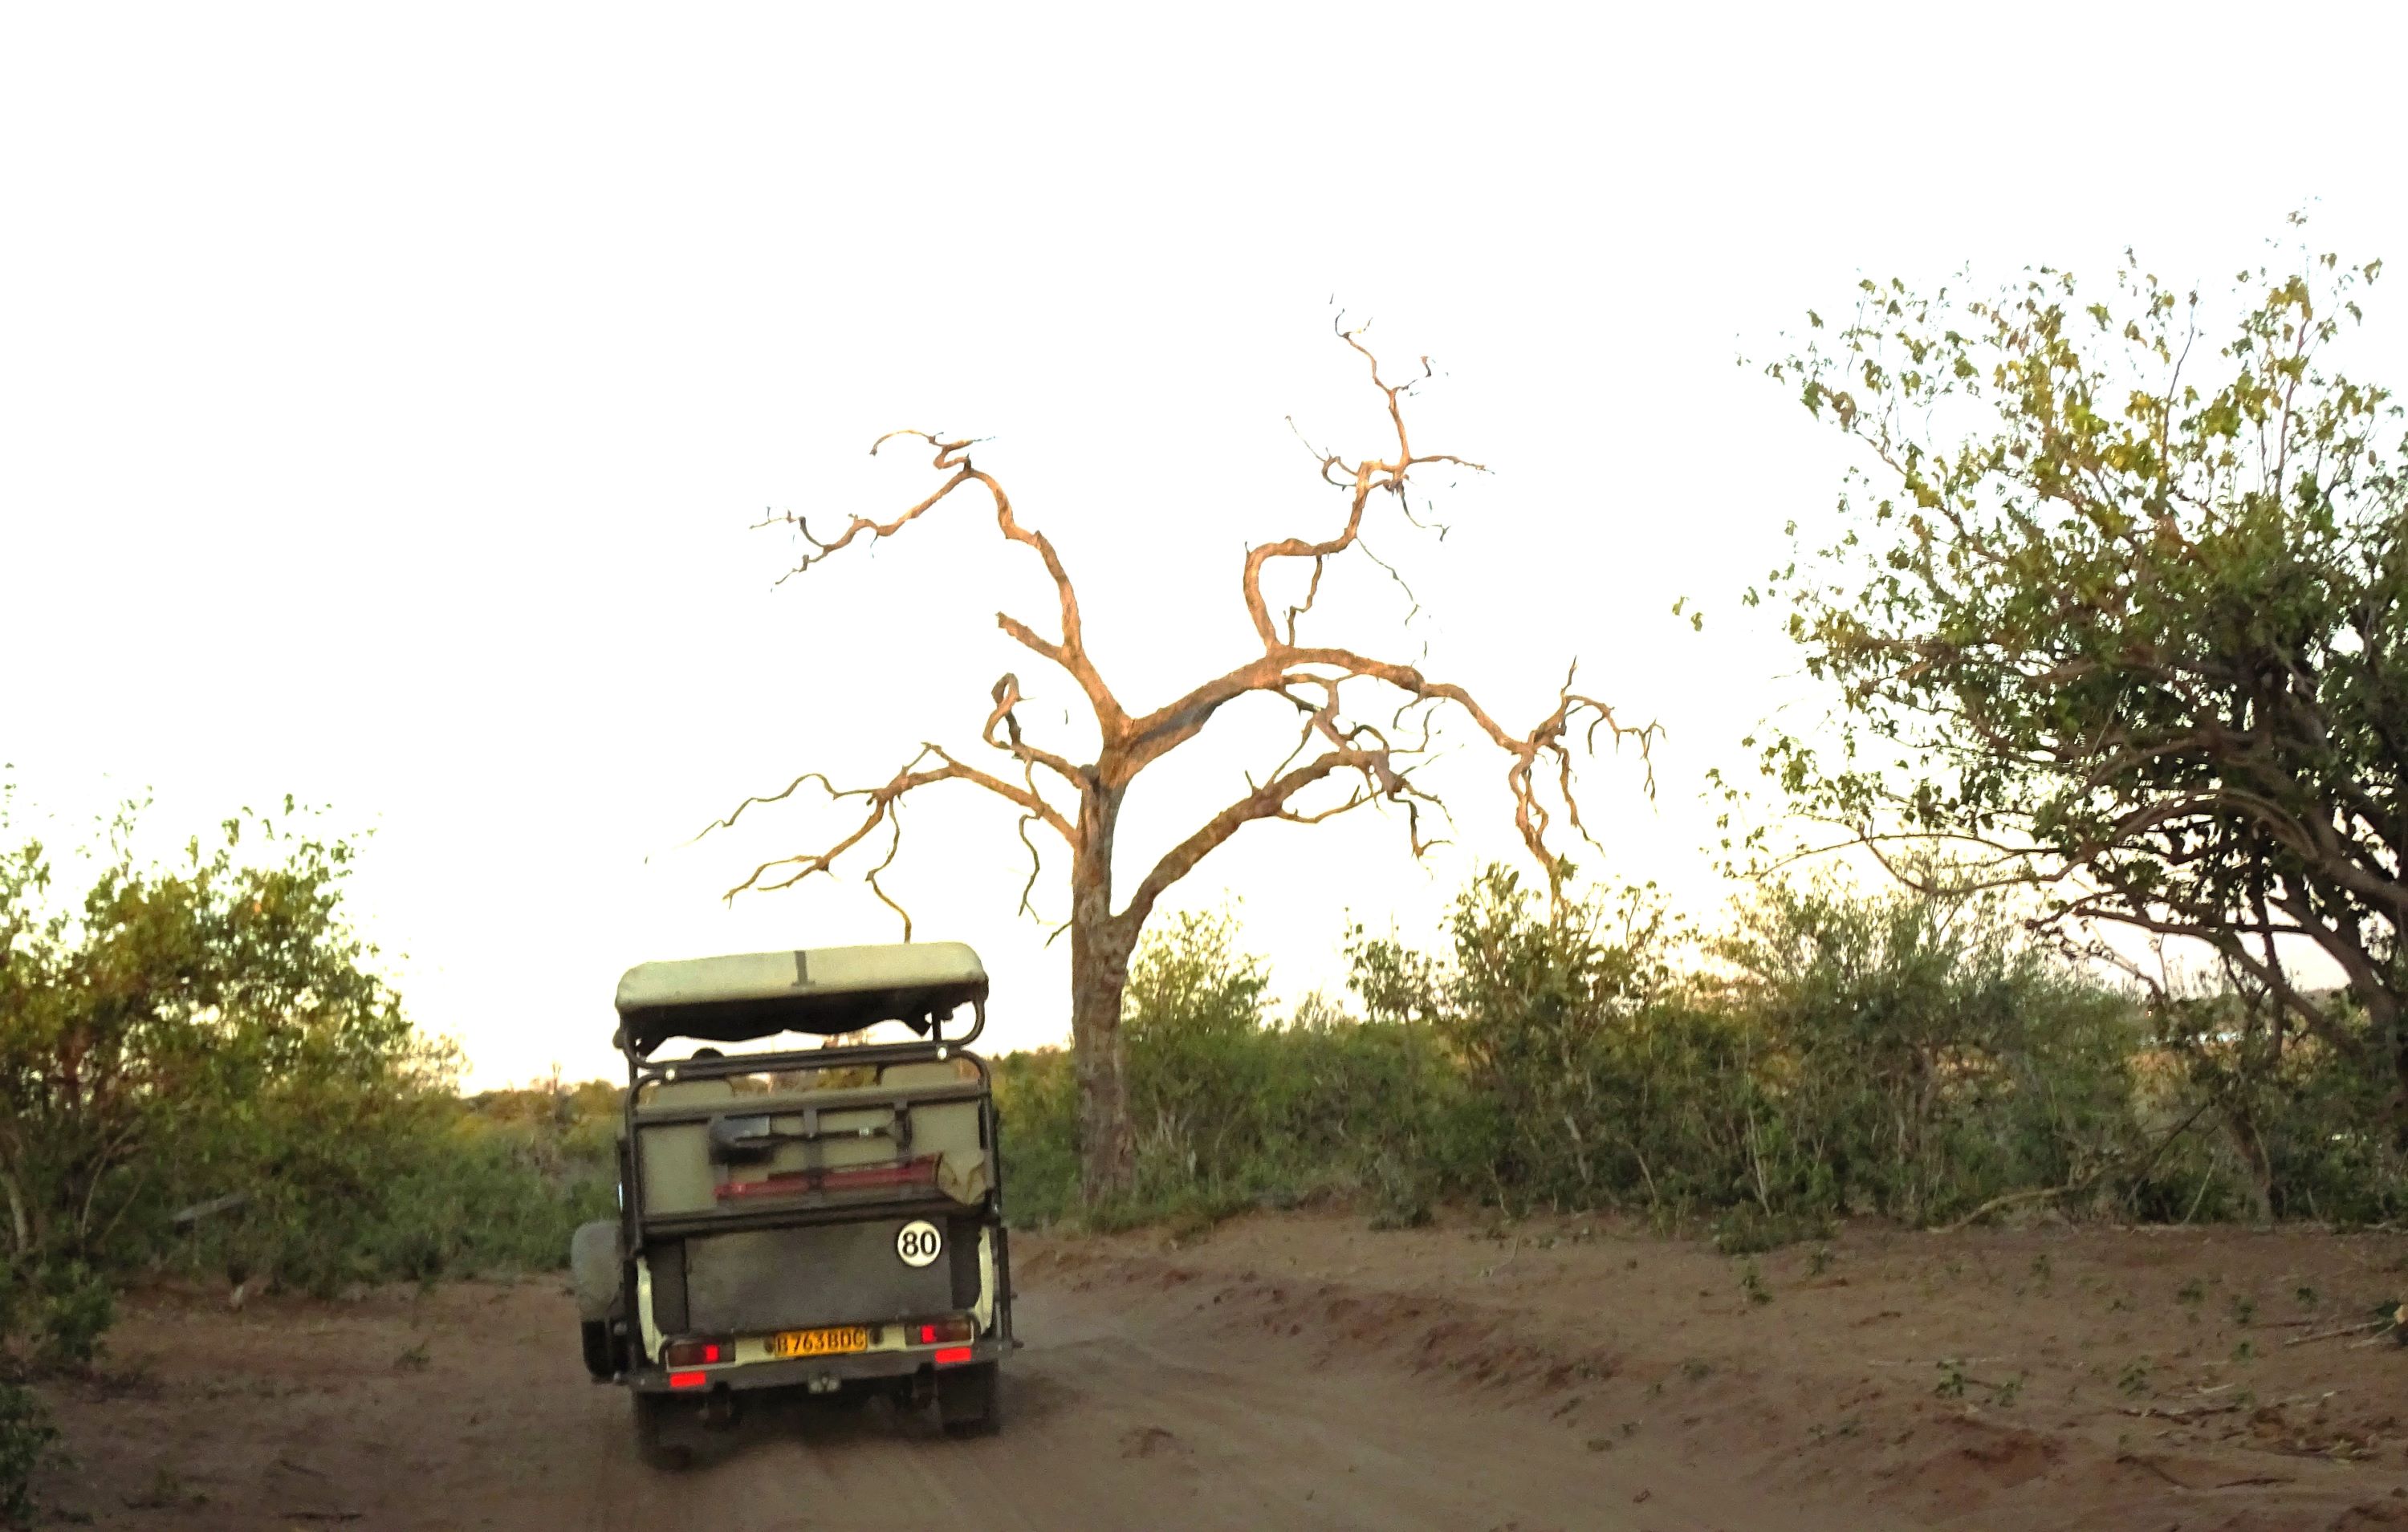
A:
(2044, 1378)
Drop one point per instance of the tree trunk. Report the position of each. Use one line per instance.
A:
(2390, 1020)
(1106, 1148)
(1100, 955)
(2249, 1148)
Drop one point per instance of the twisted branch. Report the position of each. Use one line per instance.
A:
(1313, 678)
(883, 808)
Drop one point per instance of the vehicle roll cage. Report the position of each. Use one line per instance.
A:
(933, 1048)
(641, 1067)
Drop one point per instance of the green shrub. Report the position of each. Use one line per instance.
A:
(420, 1187)
(1833, 1054)
(1923, 1057)
(212, 1037)
(28, 1444)
(1035, 1095)
(76, 1306)
(2291, 1126)
(1231, 1106)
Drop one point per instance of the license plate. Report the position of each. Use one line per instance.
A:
(834, 1340)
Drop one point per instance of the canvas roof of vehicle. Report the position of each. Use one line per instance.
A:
(824, 991)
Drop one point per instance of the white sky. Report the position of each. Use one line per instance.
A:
(384, 396)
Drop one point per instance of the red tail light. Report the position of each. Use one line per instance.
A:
(940, 1332)
(698, 1354)
(953, 1355)
(688, 1380)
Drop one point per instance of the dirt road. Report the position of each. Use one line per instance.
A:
(1300, 1371)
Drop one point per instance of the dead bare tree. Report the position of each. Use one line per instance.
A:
(1375, 762)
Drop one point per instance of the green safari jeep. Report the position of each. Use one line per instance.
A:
(811, 1214)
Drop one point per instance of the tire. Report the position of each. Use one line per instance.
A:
(656, 1420)
(970, 1402)
(601, 1350)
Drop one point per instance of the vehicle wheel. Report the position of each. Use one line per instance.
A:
(657, 1419)
(969, 1403)
(601, 1350)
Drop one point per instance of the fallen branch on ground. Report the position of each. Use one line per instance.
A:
(2388, 1321)
(2009, 1200)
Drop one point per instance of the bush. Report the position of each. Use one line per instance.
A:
(1224, 1099)
(1035, 1096)
(1923, 1057)
(211, 1036)
(1231, 1106)
(28, 1444)
(2292, 1126)
(1911, 1055)
(76, 1307)
(419, 1187)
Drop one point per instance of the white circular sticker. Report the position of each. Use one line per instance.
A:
(919, 1242)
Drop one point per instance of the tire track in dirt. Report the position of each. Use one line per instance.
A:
(1291, 1372)
(1124, 1428)
(1120, 1415)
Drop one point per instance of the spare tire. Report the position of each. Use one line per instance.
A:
(596, 1265)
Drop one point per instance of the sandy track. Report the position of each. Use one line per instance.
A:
(1112, 1424)
(1298, 1371)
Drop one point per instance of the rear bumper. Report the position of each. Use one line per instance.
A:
(858, 1368)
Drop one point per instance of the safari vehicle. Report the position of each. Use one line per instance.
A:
(824, 1215)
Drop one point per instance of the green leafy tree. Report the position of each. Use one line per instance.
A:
(2116, 617)
(202, 1069)
(178, 1033)
(181, 1032)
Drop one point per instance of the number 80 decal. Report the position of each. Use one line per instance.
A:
(919, 1242)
